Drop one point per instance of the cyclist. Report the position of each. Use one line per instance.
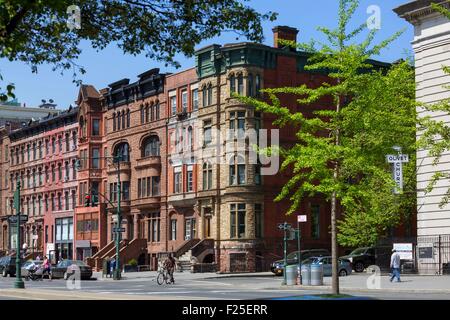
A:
(169, 265)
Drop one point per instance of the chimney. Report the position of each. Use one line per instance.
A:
(284, 33)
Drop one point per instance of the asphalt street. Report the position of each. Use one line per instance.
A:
(199, 287)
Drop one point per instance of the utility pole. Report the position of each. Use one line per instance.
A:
(18, 284)
(117, 274)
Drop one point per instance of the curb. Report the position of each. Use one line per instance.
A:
(346, 289)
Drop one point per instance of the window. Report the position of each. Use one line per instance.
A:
(28, 153)
(95, 127)
(259, 218)
(34, 151)
(237, 122)
(184, 100)
(257, 84)
(59, 172)
(128, 118)
(177, 180)
(142, 114)
(154, 227)
(95, 158)
(257, 173)
(67, 140)
(152, 113)
(189, 180)
(157, 110)
(232, 84)
(207, 130)
(189, 229)
(147, 112)
(209, 95)
(60, 144)
(74, 201)
(155, 186)
(237, 171)
(237, 215)
(59, 202)
(74, 138)
(190, 138)
(173, 105)
(250, 85)
(121, 152)
(207, 176)
(66, 167)
(204, 97)
(74, 170)
(125, 190)
(66, 200)
(195, 99)
(53, 202)
(173, 229)
(240, 80)
(150, 146)
(53, 145)
(315, 221)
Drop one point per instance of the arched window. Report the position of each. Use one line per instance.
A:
(128, 118)
(147, 113)
(142, 114)
(232, 84)
(152, 113)
(150, 146)
(207, 176)
(123, 119)
(114, 122)
(250, 85)
(82, 126)
(121, 152)
(240, 88)
(157, 111)
(204, 96)
(210, 95)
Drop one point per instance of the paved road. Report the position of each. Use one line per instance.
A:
(210, 286)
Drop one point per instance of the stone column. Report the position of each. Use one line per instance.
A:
(136, 226)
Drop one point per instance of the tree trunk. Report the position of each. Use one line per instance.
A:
(334, 265)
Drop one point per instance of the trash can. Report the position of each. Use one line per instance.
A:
(291, 275)
(306, 274)
(316, 275)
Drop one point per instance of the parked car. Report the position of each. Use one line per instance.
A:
(344, 268)
(66, 268)
(363, 257)
(8, 266)
(26, 265)
(292, 258)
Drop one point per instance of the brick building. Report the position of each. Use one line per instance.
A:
(42, 157)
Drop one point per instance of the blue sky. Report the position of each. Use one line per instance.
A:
(111, 64)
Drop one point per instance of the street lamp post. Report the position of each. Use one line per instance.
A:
(19, 284)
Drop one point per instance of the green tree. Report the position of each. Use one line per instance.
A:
(36, 31)
(435, 133)
(359, 114)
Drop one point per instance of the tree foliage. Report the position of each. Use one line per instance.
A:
(359, 114)
(36, 31)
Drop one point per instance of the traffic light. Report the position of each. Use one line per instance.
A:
(87, 200)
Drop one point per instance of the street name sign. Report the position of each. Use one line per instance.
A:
(118, 229)
(301, 218)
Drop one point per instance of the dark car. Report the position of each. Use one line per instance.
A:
(8, 266)
(363, 257)
(292, 258)
(64, 269)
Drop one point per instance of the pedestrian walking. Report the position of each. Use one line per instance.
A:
(395, 265)
(46, 268)
(112, 266)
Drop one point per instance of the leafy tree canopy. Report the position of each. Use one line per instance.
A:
(36, 31)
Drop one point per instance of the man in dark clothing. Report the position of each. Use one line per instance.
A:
(169, 264)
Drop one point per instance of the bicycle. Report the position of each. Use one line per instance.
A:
(163, 276)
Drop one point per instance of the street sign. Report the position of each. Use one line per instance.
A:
(118, 229)
(284, 226)
(13, 219)
(391, 158)
(301, 218)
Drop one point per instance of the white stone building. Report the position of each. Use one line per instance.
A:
(432, 51)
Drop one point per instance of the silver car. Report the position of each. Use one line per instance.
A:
(344, 268)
